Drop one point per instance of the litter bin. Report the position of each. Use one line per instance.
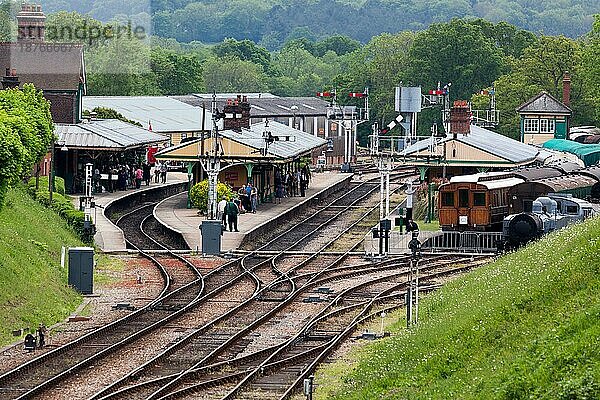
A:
(211, 237)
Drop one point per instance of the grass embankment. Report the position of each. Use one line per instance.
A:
(525, 326)
(33, 286)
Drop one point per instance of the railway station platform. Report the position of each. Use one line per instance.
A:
(109, 238)
(173, 213)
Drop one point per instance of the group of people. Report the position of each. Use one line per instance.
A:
(291, 183)
(229, 209)
(128, 176)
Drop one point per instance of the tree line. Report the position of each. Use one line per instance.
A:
(472, 54)
(273, 22)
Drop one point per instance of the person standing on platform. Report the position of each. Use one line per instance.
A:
(147, 175)
(253, 199)
(278, 187)
(139, 174)
(156, 172)
(163, 172)
(221, 209)
(232, 211)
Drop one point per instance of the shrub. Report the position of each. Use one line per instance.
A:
(62, 206)
(59, 184)
(199, 194)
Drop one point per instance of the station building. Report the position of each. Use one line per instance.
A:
(479, 150)
(248, 152)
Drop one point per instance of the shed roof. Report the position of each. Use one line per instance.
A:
(488, 141)
(105, 134)
(166, 114)
(589, 153)
(544, 103)
(49, 66)
(264, 105)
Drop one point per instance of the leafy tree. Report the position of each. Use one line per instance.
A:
(109, 113)
(591, 68)
(245, 50)
(199, 194)
(455, 52)
(231, 74)
(26, 131)
(339, 44)
(109, 77)
(176, 72)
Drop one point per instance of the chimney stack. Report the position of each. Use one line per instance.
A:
(460, 118)
(10, 80)
(237, 114)
(567, 89)
(31, 23)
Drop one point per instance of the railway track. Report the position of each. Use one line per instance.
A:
(183, 284)
(225, 343)
(211, 340)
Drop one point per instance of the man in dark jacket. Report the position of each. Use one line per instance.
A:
(232, 211)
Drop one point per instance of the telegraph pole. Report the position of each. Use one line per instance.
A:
(212, 165)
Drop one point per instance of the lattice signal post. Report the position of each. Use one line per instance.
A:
(348, 118)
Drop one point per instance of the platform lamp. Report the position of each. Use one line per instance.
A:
(53, 165)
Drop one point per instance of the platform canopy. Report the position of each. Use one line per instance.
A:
(480, 148)
(588, 153)
(249, 145)
(105, 134)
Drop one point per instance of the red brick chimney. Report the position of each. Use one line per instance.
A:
(31, 23)
(10, 80)
(567, 89)
(237, 114)
(460, 118)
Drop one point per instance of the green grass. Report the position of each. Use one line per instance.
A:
(33, 286)
(524, 327)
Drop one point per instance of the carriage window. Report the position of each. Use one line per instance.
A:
(448, 199)
(572, 210)
(479, 199)
(463, 197)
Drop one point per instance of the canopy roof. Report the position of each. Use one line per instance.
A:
(248, 144)
(105, 134)
(504, 149)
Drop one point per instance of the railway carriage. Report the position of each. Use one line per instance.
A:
(475, 202)
(523, 194)
(594, 173)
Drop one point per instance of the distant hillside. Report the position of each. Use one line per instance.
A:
(271, 22)
(524, 327)
(33, 286)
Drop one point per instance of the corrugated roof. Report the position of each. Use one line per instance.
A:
(165, 113)
(544, 103)
(301, 142)
(265, 106)
(105, 134)
(589, 153)
(488, 141)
